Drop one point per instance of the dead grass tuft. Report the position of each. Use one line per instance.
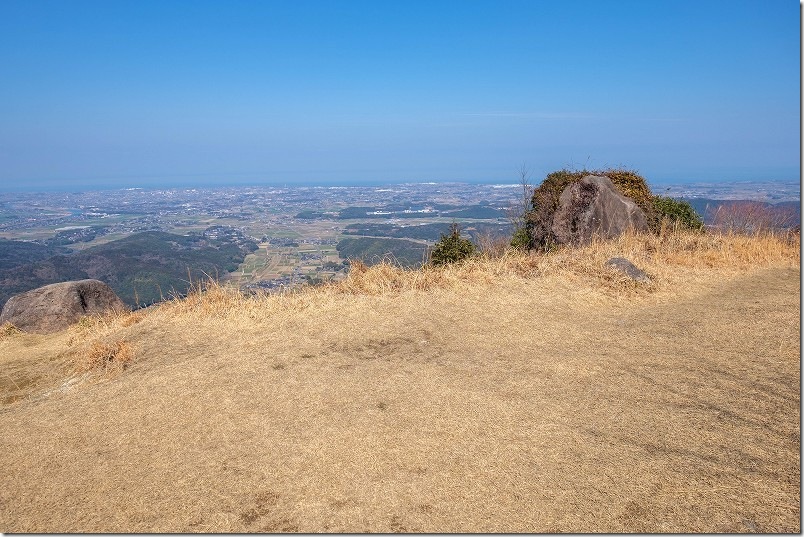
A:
(8, 330)
(133, 318)
(107, 359)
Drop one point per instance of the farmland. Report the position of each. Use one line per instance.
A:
(304, 234)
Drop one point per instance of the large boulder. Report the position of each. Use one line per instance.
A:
(593, 206)
(54, 307)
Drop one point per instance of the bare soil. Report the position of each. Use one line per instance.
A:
(517, 405)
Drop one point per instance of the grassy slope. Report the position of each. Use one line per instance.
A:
(538, 394)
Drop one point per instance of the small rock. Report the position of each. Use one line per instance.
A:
(628, 268)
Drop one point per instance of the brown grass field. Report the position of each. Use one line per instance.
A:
(540, 393)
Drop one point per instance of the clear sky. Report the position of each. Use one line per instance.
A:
(139, 93)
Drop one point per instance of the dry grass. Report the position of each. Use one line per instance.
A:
(8, 330)
(661, 255)
(107, 359)
(514, 393)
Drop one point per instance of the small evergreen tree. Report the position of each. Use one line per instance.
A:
(520, 239)
(451, 248)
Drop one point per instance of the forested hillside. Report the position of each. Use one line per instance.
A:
(16, 253)
(372, 251)
(142, 269)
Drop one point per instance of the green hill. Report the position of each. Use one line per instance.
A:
(372, 251)
(142, 269)
(429, 232)
(17, 253)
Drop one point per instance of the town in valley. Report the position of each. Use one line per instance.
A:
(290, 236)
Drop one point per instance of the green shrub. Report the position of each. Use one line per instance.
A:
(520, 239)
(677, 213)
(451, 248)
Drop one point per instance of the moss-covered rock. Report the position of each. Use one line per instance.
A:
(546, 197)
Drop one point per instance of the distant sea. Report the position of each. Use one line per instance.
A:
(789, 189)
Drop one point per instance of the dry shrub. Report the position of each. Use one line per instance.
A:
(107, 359)
(357, 266)
(382, 278)
(492, 245)
(91, 327)
(752, 217)
(724, 252)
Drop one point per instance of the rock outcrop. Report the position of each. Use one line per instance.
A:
(54, 307)
(593, 206)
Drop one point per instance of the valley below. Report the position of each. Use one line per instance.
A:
(150, 245)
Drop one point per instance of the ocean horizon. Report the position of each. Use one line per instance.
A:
(219, 183)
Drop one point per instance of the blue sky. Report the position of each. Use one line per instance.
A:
(131, 93)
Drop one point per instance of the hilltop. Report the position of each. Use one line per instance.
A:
(523, 393)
